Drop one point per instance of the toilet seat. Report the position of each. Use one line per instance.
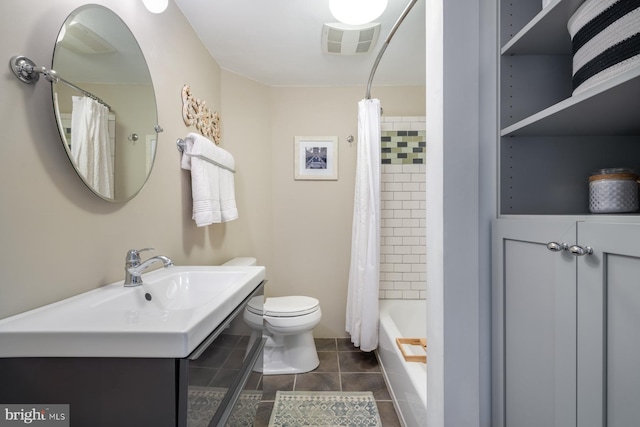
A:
(289, 306)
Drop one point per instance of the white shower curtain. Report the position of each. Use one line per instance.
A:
(90, 146)
(362, 297)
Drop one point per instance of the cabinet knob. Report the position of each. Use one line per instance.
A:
(580, 251)
(557, 247)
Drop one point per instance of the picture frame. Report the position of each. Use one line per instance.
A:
(316, 158)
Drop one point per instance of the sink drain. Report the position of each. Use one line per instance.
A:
(147, 296)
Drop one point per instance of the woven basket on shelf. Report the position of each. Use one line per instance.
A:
(605, 35)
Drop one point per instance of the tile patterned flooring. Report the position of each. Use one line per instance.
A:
(342, 368)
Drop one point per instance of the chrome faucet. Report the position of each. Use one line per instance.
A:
(134, 267)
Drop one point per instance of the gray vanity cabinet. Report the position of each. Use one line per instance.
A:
(567, 337)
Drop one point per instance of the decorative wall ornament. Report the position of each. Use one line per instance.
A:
(196, 112)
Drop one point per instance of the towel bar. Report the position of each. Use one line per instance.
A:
(181, 144)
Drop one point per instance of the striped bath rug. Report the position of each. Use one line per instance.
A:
(324, 408)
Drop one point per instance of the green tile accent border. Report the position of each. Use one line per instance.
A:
(403, 147)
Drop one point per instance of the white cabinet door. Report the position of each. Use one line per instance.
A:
(609, 326)
(534, 324)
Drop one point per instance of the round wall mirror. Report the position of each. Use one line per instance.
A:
(104, 103)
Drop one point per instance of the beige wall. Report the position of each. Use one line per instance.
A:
(58, 239)
(312, 219)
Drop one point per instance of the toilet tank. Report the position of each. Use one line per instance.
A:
(240, 261)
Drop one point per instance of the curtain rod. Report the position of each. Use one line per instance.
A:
(386, 43)
(82, 91)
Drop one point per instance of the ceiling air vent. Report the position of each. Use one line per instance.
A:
(341, 39)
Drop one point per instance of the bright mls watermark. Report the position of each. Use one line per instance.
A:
(34, 415)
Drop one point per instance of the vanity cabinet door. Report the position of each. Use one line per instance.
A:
(100, 392)
(534, 324)
(220, 381)
(609, 325)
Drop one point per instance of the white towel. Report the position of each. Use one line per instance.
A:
(228, 208)
(212, 187)
(188, 147)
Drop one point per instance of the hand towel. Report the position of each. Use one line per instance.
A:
(186, 152)
(212, 186)
(205, 180)
(228, 207)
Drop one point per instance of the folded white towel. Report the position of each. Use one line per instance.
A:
(228, 207)
(188, 147)
(212, 187)
(205, 179)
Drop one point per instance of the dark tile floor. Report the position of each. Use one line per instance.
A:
(342, 368)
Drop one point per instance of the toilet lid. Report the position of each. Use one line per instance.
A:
(289, 306)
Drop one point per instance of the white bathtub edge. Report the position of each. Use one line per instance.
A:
(394, 399)
(406, 381)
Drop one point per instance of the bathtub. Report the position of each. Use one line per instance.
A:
(407, 381)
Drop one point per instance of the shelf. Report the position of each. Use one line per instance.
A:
(550, 141)
(546, 33)
(631, 218)
(609, 108)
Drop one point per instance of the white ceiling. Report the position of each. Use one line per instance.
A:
(278, 42)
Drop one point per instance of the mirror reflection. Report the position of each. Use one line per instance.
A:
(104, 103)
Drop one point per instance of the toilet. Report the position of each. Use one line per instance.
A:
(288, 326)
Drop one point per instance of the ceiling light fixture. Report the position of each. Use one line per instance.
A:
(156, 6)
(357, 12)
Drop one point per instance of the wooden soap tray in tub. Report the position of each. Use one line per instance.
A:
(422, 342)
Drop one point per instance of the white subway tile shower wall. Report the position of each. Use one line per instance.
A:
(403, 210)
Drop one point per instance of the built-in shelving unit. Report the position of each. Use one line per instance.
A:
(610, 108)
(546, 33)
(552, 140)
(560, 273)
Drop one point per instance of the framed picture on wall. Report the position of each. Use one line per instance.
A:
(316, 158)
